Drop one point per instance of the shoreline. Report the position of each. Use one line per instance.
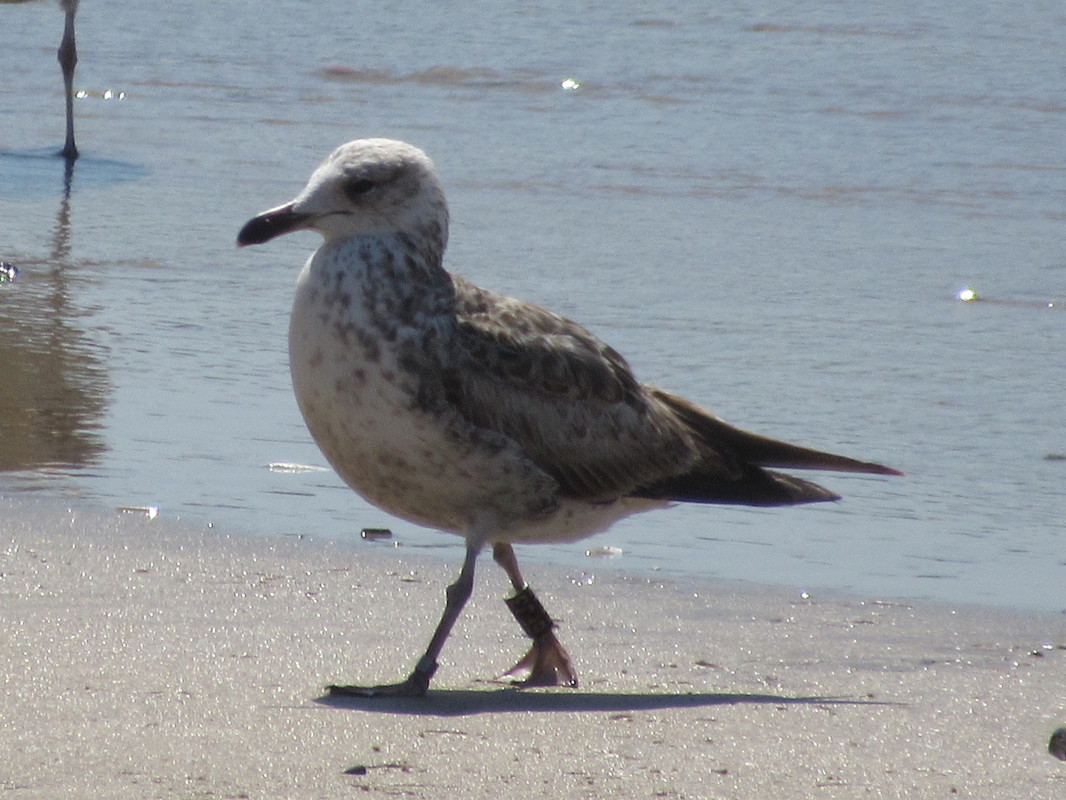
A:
(146, 658)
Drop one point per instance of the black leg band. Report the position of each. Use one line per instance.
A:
(530, 613)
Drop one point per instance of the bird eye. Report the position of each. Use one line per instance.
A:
(357, 187)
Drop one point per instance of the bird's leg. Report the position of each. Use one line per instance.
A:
(68, 59)
(417, 683)
(546, 663)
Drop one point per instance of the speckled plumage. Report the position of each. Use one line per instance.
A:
(471, 412)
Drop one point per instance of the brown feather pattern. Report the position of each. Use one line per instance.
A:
(574, 406)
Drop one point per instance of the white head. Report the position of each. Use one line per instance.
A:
(368, 187)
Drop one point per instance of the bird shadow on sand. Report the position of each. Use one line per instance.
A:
(465, 702)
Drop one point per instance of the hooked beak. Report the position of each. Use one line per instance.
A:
(270, 224)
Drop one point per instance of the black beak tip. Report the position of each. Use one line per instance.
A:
(269, 225)
(254, 231)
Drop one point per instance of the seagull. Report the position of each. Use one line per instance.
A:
(460, 409)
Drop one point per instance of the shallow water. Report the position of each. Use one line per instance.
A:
(769, 210)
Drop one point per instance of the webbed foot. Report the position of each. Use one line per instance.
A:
(546, 664)
(416, 685)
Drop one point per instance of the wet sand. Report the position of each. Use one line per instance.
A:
(146, 659)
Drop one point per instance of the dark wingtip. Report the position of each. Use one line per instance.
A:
(753, 486)
(881, 469)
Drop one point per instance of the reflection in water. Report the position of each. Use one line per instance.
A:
(53, 388)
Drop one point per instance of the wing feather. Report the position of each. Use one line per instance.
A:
(570, 401)
(573, 405)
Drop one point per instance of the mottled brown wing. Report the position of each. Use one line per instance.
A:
(565, 397)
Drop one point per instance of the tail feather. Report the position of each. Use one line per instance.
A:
(762, 450)
(744, 481)
(754, 486)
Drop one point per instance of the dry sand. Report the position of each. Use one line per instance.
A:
(144, 660)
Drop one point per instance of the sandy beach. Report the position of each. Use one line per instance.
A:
(143, 658)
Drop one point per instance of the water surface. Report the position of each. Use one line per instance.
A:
(768, 209)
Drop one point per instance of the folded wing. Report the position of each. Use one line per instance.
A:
(575, 408)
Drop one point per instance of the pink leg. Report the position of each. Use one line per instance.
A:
(417, 683)
(546, 663)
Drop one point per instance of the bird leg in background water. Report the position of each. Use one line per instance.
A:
(68, 59)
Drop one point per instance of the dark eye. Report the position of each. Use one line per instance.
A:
(357, 187)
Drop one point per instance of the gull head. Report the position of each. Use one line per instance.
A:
(368, 187)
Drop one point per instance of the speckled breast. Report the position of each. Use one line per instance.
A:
(361, 402)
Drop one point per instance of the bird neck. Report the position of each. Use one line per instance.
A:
(398, 275)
